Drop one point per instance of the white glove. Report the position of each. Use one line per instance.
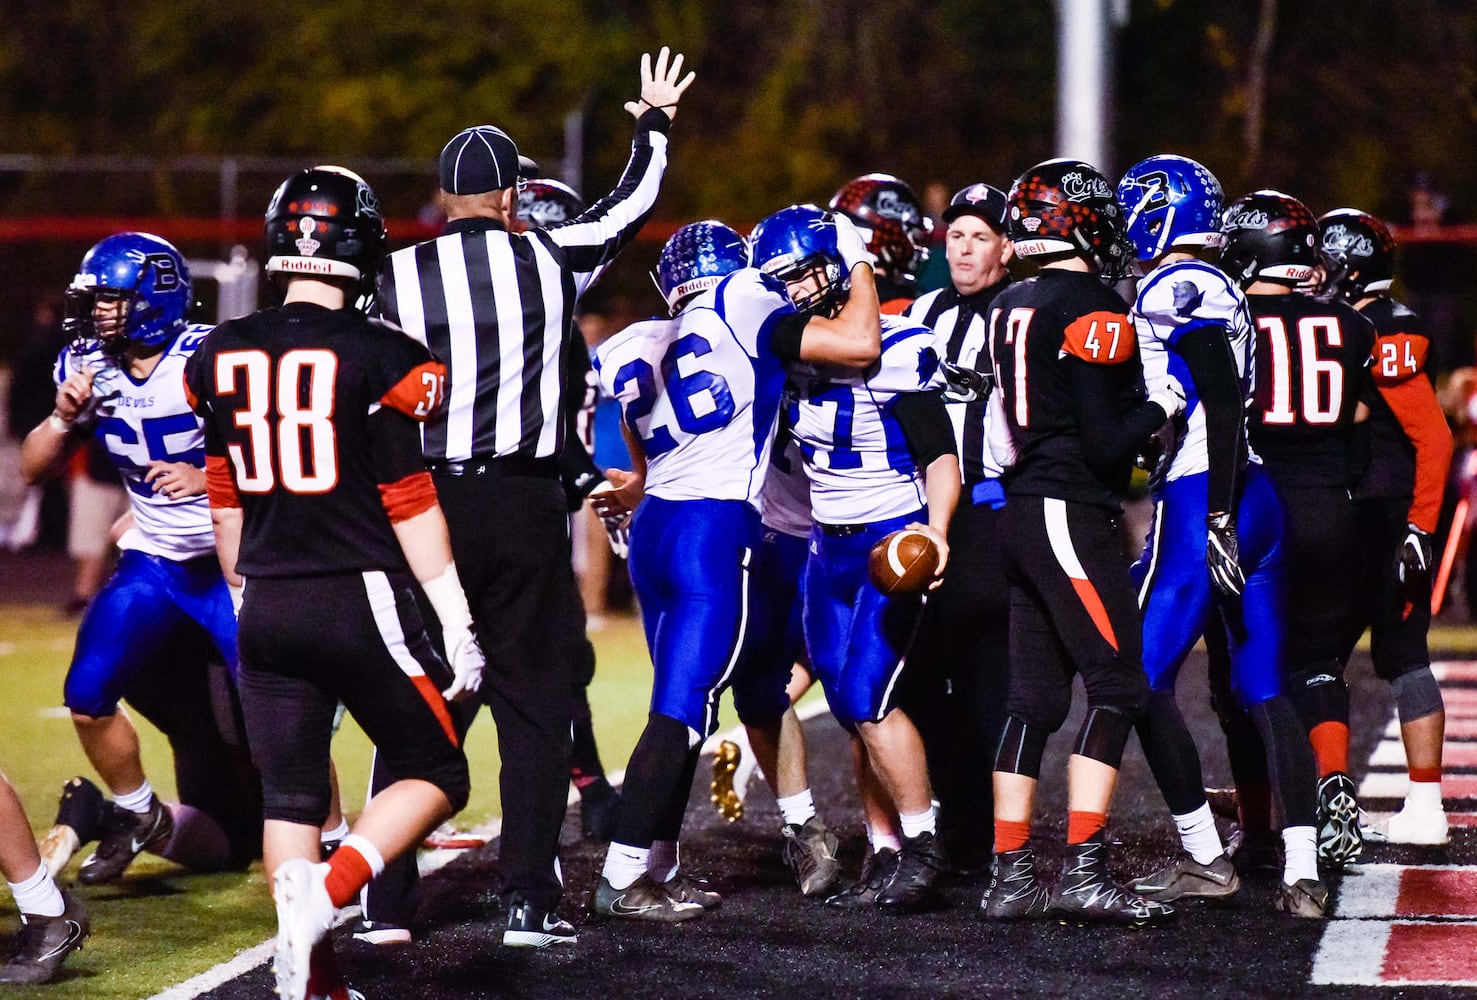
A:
(852, 247)
(467, 661)
(238, 595)
(1170, 396)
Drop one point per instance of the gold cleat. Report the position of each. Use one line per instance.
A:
(726, 798)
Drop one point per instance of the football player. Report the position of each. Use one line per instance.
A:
(1214, 553)
(165, 614)
(1397, 503)
(879, 453)
(700, 395)
(1071, 390)
(1312, 363)
(321, 502)
(891, 219)
(955, 689)
(53, 924)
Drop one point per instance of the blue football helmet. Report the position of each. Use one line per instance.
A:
(697, 257)
(147, 274)
(1172, 202)
(800, 242)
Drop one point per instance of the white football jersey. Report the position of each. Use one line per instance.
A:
(1172, 300)
(858, 460)
(702, 389)
(143, 421)
(785, 499)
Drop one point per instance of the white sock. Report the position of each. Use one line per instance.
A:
(337, 833)
(1424, 795)
(624, 864)
(1198, 834)
(38, 895)
(367, 851)
(797, 809)
(883, 838)
(916, 824)
(137, 800)
(662, 863)
(1300, 845)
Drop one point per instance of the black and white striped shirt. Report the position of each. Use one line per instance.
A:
(961, 323)
(496, 309)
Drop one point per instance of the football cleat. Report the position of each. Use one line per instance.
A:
(911, 887)
(598, 802)
(1186, 878)
(726, 797)
(1340, 841)
(445, 837)
(44, 943)
(381, 934)
(877, 871)
(1306, 897)
(1254, 854)
(304, 916)
(128, 833)
(1088, 894)
(810, 854)
(530, 927)
(1423, 827)
(686, 889)
(1014, 893)
(82, 816)
(644, 900)
(342, 993)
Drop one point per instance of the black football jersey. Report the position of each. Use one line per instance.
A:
(1037, 329)
(293, 398)
(1312, 367)
(1399, 354)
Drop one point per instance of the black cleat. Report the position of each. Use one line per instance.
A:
(1340, 841)
(82, 816)
(44, 943)
(530, 927)
(1088, 894)
(685, 888)
(810, 854)
(1306, 897)
(1186, 878)
(644, 900)
(876, 872)
(598, 802)
(128, 833)
(1014, 893)
(911, 887)
(1254, 855)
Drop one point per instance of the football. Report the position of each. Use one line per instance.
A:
(903, 563)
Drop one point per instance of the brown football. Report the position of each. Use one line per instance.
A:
(903, 563)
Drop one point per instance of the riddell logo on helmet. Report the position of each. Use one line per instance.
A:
(304, 265)
(1247, 218)
(1078, 187)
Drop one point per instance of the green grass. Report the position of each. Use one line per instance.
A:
(161, 925)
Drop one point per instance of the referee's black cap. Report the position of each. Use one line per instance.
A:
(480, 159)
(978, 199)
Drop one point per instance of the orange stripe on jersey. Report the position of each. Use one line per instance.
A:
(418, 394)
(407, 497)
(437, 705)
(220, 482)
(1088, 595)
(1103, 338)
(1414, 404)
(896, 307)
(1398, 356)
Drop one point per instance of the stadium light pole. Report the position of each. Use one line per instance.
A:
(1085, 78)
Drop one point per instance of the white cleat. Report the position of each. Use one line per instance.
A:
(304, 915)
(1424, 827)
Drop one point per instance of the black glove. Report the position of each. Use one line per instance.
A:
(1413, 565)
(1158, 451)
(1222, 557)
(966, 385)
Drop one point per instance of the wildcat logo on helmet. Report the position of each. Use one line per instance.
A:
(1248, 218)
(1079, 188)
(307, 246)
(1338, 237)
(892, 205)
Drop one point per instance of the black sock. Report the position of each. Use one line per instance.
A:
(657, 767)
(1290, 762)
(1171, 753)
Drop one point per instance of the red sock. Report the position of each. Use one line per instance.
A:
(348, 872)
(324, 976)
(1082, 826)
(1011, 834)
(1425, 773)
(1331, 746)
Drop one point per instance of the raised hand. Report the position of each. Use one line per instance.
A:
(662, 87)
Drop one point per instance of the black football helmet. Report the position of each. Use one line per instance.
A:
(1065, 208)
(890, 218)
(1358, 254)
(1269, 236)
(545, 202)
(326, 222)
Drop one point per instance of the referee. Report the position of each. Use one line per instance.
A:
(495, 307)
(956, 693)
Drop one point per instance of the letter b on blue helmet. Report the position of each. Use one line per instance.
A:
(799, 242)
(1171, 202)
(144, 271)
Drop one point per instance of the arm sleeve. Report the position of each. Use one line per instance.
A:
(405, 486)
(1109, 438)
(925, 424)
(592, 239)
(1207, 354)
(788, 331)
(1414, 404)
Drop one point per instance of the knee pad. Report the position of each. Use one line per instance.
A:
(1320, 695)
(1104, 734)
(1021, 748)
(1417, 695)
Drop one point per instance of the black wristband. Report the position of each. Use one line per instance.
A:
(654, 119)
